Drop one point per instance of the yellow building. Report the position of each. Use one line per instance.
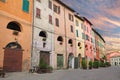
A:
(15, 34)
(79, 39)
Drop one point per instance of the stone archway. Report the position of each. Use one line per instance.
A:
(71, 60)
(13, 57)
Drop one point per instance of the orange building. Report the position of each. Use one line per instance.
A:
(15, 34)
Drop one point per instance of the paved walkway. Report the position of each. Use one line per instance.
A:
(111, 73)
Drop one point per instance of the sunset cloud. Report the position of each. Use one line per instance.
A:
(104, 15)
(111, 21)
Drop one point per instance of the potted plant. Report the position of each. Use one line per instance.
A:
(90, 64)
(44, 67)
(84, 65)
(95, 64)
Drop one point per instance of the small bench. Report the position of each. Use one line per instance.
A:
(2, 73)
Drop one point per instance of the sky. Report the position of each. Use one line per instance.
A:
(105, 17)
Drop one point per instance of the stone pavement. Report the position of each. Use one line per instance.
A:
(111, 73)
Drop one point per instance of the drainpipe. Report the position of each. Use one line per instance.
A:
(31, 65)
(65, 38)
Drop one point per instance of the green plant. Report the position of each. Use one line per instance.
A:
(101, 64)
(90, 64)
(43, 64)
(95, 64)
(84, 64)
(107, 64)
(44, 67)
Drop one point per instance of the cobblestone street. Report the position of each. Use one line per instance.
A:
(111, 73)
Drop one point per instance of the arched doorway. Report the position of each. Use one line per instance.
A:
(71, 61)
(13, 57)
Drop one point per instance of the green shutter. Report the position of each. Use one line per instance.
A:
(25, 6)
(3, 0)
(83, 36)
(77, 33)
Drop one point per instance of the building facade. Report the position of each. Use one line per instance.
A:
(115, 61)
(79, 40)
(59, 35)
(88, 42)
(114, 58)
(16, 30)
(99, 45)
(42, 32)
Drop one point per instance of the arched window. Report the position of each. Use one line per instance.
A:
(14, 45)
(79, 43)
(14, 26)
(60, 38)
(70, 41)
(43, 34)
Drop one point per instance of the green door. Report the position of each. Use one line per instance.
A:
(59, 61)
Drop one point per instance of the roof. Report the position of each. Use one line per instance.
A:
(79, 17)
(98, 34)
(87, 20)
(68, 7)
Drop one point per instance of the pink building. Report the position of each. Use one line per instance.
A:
(88, 37)
(59, 35)
(69, 28)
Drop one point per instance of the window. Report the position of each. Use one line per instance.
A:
(14, 45)
(77, 33)
(70, 41)
(71, 28)
(60, 38)
(39, 0)
(50, 19)
(83, 36)
(87, 37)
(38, 13)
(14, 26)
(25, 6)
(92, 40)
(79, 43)
(81, 25)
(70, 17)
(57, 22)
(50, 4)
(56, 9)
(43, 34)
(3, 0)
(77, 24)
